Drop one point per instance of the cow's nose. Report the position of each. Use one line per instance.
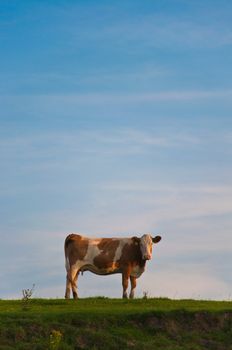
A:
(147, 257)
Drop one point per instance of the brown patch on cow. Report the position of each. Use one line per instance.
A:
(131, 255)
(136, 240)
(76, 247)
(105, 259)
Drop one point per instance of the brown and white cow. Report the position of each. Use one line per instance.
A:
(105, 256)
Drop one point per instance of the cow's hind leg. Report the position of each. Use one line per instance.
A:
(71, 282)
(74, 285)
(133, 286)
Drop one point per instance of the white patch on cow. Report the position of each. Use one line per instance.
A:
(92, 252)
(137, 271)
(122, 243)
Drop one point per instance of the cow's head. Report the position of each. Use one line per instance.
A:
(145, 243)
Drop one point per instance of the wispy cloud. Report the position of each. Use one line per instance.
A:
(99, 98)
(165, 31)
(128, 140)
(159, 31)
(184, 281)
(92, 79)
(177, 202)
(107, 104)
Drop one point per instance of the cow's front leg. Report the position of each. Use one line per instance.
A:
(68, 287)
(133, 286)
(125, 278)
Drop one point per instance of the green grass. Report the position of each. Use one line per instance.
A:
(101, 323)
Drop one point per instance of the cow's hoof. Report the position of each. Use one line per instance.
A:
(75, 296)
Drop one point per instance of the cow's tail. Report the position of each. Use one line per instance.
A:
(67, 263)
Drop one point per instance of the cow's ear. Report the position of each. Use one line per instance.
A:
(136, 240)
(156, 239)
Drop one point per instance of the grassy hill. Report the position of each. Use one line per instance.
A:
(101, 323)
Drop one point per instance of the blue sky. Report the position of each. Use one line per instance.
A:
(116, 120)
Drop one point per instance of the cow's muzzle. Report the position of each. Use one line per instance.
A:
(147, 257)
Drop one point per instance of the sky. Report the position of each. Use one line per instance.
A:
(115, 120)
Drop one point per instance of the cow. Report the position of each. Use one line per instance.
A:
(105, 256)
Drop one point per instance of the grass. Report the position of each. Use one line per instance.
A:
(97, 323)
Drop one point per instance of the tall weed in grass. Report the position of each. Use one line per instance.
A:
(27, 294)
